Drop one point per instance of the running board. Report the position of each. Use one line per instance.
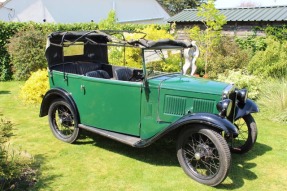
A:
(126, 139)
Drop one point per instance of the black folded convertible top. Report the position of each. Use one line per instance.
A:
(96, 43)
(163, 43)
(104, 36)
(58, 37)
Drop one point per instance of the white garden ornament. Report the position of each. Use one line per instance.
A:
(190, 55)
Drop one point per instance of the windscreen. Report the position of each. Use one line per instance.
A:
(162, 61)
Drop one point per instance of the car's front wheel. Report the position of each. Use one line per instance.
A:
(204, 155)
(63, 121)
(247, 135)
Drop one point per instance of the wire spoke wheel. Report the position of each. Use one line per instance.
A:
(204, 155)
(201, 155)
(63, 122)
(247, 135)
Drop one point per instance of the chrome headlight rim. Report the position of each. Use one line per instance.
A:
(228, 90)
(242, 95)
(224, 107)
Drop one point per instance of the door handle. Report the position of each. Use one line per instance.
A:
(83, 89)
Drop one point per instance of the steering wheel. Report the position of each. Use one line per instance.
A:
(136, 76)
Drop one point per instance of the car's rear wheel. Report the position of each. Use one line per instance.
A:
(63, 121)
(247, 135)
(204, 155)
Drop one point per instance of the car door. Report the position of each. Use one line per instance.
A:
(110, 104)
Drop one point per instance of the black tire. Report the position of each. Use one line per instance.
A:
(204, 155)
(62, 120)
(247, 135)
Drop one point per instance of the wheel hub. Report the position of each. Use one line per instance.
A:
(202, 151)
(65, 119)
(197, 156)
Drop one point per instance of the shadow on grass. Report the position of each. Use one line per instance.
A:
(160, 153)
(241, 168)
(5, 92)
(163, 153)
(43, 181)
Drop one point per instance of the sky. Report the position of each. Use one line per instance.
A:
(236, 3)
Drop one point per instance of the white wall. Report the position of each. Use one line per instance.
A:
(67, 11)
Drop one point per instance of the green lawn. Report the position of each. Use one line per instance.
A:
(97, 163)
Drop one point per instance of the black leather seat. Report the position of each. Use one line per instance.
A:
(98, 74)
(66, 67)
(85, 67)
(124, 74)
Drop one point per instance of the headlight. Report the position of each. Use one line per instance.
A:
(242, 95)
(226, 92)
(224, 107)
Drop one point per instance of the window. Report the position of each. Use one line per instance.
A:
(75, 49)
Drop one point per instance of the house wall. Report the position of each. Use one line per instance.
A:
(67, 11)
(241, 29)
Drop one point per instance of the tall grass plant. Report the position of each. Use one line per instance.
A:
(15, 165)
(273, 99)
(242, 80)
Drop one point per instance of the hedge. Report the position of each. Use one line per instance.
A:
(8, 29)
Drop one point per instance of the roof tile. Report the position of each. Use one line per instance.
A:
(272, 13)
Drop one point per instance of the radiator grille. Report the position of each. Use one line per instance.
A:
(174, 105)
(200, 105)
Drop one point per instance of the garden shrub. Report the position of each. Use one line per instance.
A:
(272, 61)
(227, 56)
(209, 38)
(5, 68)
(27, 50)
(15, 165)
(217, 53)
(110, 22)
(279, 32)
(133, 55)
(242, 80)
(273, 101)
(35, 87)
(8, 29)
(5, 131)
(252, 43)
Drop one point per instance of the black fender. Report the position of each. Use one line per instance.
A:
(54, 94)
(211, 120)
(247, 108)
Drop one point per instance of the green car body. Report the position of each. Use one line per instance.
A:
(86, 93)
(127, 107)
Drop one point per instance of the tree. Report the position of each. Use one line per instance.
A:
(110, 23)
(209, 38)
(175, 6)
(26, 48)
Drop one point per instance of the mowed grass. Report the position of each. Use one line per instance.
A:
(97, 163)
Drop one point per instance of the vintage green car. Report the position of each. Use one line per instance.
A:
(142, 104)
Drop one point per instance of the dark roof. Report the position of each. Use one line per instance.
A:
(274, 13)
